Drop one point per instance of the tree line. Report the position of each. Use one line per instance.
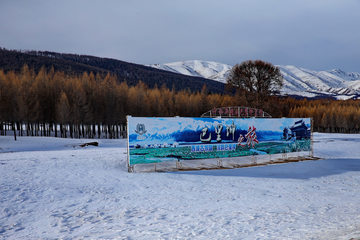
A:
(94, 105)
(329, 116)
(89, 105)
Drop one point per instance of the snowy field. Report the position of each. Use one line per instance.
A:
(53, 189)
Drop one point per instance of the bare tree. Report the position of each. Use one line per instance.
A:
(257, 79)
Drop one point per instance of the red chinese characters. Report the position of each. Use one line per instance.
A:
(251, 138)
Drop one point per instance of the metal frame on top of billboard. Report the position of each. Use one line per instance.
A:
(236, 112)
(179, 143)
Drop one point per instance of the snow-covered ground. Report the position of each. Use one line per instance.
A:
(53, 189)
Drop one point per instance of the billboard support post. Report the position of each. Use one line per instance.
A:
(311, 152)
(130, 168)
(219, 163)
(253, 160)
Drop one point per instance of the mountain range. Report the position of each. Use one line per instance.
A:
(188, 75)
(298, 82)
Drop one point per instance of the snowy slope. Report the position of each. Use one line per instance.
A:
(297, 81)
(210, 70)
(53, 190)
(334, 82)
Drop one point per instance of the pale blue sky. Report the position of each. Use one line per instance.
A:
(318, 35)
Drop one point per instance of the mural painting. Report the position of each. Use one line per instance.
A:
(154, 140)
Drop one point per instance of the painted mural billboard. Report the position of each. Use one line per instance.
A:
(154, 140)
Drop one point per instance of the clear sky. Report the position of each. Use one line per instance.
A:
(313, 34)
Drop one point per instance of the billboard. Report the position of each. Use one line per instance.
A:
(152, 140)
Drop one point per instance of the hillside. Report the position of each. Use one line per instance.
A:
(129, 72)
(298, 82)
(206, 69)
(189, 75)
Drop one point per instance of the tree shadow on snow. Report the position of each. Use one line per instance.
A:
(295, 170)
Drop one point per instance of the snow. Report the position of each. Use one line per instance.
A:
(197, 68)
(53, 188)
(297, 81)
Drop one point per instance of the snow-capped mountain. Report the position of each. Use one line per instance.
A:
(297, 81)
(309, 83)
(206, 69)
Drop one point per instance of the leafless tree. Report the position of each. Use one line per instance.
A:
(256, 79)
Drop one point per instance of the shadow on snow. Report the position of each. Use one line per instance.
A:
(297, 170)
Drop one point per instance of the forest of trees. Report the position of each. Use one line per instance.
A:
(95, 105)
(330, 116)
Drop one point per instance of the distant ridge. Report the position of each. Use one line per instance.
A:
(13, 60)
(188, 75)
(298, 82)
(206, 69)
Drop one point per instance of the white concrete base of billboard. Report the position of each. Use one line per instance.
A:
(223, 163)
